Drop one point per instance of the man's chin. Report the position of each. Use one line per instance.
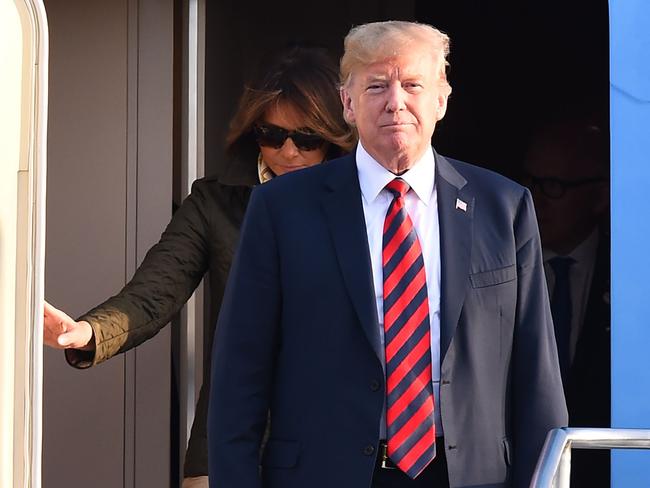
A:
(398, 142)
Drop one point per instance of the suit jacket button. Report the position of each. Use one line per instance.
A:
(369, 450)
(375, 385)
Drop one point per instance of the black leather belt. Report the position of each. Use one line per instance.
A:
(384, 462)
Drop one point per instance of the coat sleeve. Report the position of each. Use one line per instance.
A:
(244, 352)
(169, 273)
(538, 397)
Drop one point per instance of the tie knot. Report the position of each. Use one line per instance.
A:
(561, 265)
(398, 187)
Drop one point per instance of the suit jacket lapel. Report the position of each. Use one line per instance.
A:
(343, 209)
(455, 246)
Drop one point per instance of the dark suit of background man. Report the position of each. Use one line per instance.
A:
(567, 168)
(472, 383)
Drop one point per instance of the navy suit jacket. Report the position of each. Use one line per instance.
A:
(298, 336)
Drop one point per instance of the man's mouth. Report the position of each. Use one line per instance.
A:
(396, 124)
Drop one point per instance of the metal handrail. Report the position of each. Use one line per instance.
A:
(554, 465)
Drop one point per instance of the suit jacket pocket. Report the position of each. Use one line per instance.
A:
(281, 454)
(493, 277)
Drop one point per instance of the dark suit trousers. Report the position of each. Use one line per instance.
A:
(434, 476)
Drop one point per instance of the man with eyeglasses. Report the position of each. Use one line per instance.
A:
(567, 169)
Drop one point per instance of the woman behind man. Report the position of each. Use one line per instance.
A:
(289, 118)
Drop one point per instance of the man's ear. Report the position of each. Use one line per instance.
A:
(348, 106)
(441, 109)
(601, 199)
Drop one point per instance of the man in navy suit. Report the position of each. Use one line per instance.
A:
(389, 308)
(567, 171)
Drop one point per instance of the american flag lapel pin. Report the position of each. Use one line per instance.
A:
(461, 205)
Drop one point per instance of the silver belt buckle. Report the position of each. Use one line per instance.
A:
(384, 457)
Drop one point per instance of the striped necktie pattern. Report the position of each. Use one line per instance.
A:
(410, 426)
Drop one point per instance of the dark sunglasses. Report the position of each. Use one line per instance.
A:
(554, 187)
(269, 135)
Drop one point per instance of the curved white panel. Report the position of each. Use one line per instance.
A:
(23, 122)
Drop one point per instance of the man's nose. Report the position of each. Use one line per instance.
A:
(395, 98)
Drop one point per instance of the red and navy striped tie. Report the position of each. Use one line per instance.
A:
(410, 428)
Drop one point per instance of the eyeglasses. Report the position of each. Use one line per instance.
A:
(555, 187)
(269, 135)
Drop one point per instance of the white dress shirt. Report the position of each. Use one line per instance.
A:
(581, 273)
(422, 207)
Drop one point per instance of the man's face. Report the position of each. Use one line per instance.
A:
(395, 104)
(579, 196)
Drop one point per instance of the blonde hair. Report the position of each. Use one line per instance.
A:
(369, 43)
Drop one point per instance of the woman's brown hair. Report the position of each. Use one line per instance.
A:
(304, 77)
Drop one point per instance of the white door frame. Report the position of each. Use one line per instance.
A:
(24, 95)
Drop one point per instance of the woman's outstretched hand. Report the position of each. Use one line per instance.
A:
(62, 332)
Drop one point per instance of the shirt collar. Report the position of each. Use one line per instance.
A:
(373, 177)
(583, 252)
(264, 173)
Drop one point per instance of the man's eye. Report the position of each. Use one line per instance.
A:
(374, 87)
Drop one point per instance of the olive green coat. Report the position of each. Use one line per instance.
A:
(201, 236)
